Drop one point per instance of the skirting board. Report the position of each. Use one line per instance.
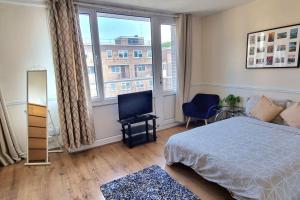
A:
(113, 139)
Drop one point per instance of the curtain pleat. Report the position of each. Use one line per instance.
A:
(73, 94)
(184, 67)
(10, 151)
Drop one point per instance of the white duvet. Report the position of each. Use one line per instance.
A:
(250, 158)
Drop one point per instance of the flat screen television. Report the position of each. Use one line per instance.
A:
(134, 104)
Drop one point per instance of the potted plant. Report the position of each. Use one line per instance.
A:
(231, 101)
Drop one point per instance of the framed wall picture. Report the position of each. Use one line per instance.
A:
(274, 48)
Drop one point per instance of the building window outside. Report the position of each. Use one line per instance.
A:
(115, 69)
(149, 53)
(113, 87)
(123, 53)
(133, 41)
(139, 84)
(109, 54)
(137, 53)
(125, 86)
(140, 68)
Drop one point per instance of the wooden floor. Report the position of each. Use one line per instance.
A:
(79, 176)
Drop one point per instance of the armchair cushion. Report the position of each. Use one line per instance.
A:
(202, 106)
(191, 110)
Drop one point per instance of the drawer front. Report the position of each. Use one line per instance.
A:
(37, 110)
(37, 143)
(37, 155)
(37, 132)
(37, 121)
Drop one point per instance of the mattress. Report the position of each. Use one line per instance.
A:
(250, 158)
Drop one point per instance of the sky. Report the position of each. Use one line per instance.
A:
(111, 28)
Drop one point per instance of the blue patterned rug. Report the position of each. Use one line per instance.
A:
(150, 183)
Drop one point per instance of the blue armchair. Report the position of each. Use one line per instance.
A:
(202, 106)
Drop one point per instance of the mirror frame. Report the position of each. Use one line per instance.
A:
(46, 105)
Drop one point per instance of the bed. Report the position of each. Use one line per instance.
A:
(251, 158)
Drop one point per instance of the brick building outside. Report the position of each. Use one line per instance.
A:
(127, 66)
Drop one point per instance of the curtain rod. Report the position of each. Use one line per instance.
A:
(120, 9)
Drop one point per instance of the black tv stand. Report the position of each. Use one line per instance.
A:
(138, 134)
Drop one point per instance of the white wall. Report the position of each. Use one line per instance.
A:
(24, 45)
(224, 37)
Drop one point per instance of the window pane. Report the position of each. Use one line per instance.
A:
(84, 20)
(129, 68)
(168, 47)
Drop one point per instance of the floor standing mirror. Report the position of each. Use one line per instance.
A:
(37, 112)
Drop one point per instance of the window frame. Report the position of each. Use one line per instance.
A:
(123, 53)
(167, 21)
(155, 21)
(126, 83)
(139, 52)
(138, 67)
(115, 67)
(139, 81)
(111, 53)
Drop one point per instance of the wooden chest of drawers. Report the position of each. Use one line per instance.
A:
(37, 133)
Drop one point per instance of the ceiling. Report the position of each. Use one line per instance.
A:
(200, 7)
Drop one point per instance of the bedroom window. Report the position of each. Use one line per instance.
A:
(130, 37)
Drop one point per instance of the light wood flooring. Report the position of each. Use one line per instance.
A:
(79, 176)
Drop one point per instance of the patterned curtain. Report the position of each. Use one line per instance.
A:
(73, 94)
(10, 151)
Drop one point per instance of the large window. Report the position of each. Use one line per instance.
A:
(119, 56)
